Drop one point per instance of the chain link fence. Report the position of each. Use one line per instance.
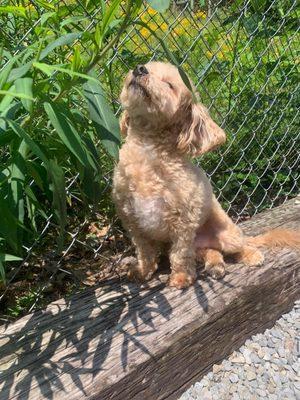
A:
(245, 65)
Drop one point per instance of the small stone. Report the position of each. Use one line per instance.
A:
(254, 346)
(297, 393)
(270, 343)
(206, 395)
(238, 359)
(276, 333)
(217, 368)
(232, 389)
(255, 359)
(260, 353)
(274, 366)
(271, 388)
(198, 385)
(250, 376)
(297, 385)
(267, 365)
(247, 355)
(261, 392)
(252, 384)
(273, 397)
(288, 393)
(281, 351)
(209, 376)
(205, 382)
(277, 379)
(227, 365)
(296, 367)
(233, 378)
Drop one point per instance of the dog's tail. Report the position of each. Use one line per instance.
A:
(276, 238)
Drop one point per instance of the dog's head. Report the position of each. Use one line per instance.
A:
(155, 96)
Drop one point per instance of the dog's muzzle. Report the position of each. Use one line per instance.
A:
(140, 70)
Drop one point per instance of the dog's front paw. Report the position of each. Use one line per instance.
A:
(137, 274)
(181, 280)
(216, 271)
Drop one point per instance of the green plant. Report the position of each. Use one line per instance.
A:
(56, 124)
(22, 304)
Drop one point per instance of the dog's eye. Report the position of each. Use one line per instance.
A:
(170, 85)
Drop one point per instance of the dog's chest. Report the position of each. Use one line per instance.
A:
(149, 213)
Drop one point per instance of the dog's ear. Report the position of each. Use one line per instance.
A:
(124, 123)
(200, 133)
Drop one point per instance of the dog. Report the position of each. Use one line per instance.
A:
(161, 197)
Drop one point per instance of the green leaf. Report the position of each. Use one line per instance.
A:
(187, 82)
(72, 20)
(5, 138)
(2, 270)
(159, 5)
(76, 62)
(98, 36)
(6, 258)
(6, 101)
(109, 16)
(66, 130)
(251, 24)
(102, 7)
(45, 4)
(24, 86)
(16, 181)
(9, 257)
(19, 72)
(58, 187)
(18, 11)
(9, 225)
(33, 146)
(46, 16)
(258, 5)
(5, 72)
(61, 41)
(39, 174)
(104, 120)
(17, 95)
(49, 69)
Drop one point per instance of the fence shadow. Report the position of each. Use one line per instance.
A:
(88, 322)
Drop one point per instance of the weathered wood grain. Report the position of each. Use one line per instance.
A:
(122, 341)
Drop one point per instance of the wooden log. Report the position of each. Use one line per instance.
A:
(124, 341)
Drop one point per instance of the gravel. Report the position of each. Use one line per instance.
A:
(267, 366)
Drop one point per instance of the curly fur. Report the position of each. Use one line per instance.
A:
(161, 197)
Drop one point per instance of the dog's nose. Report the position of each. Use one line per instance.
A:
(140, 70)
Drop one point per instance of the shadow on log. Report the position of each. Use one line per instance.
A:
(122, 341)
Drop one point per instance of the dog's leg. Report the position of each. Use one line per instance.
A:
(147, 255)
(250, 256)
(213, 262)
(220, 233)
(183, 262)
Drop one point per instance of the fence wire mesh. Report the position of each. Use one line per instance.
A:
(245, 66)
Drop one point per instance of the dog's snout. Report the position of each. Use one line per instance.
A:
(140, 70)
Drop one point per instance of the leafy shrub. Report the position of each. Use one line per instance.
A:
(56, 125)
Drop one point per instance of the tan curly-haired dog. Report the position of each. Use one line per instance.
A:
(161, 197)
